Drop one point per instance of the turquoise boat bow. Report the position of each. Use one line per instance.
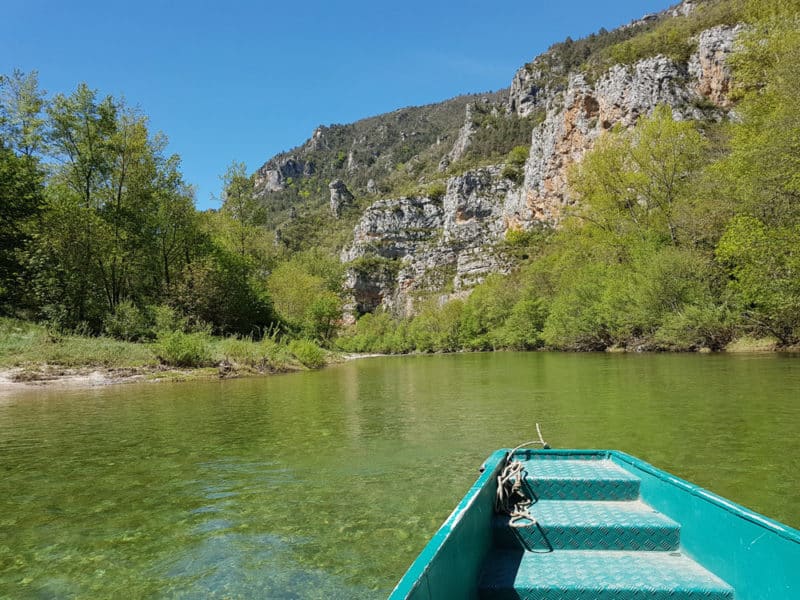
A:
(607, 526)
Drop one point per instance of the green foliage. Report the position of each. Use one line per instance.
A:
(377, 332)
(308, 353)
(130, 323)
(515, 164)
(21, 122)
(637, 183)
(695, 327)
(764, 264)
(576, 319)
(498, 133)
(672, 37)
(322, 316)
(763, 169)
(373, 266)
(218, 290)
(522, 329)
(266, 355)
(436, 190)
(21, 195)
(244, 211)
(437, 329)
(306, 293)
(484, 311)
(180, 349)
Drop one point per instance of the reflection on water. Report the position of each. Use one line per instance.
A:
(327, 484)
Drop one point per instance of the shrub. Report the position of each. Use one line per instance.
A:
(377, 332)
(697, 327)
(242, 351)
(165, 319)
(522, 329)
(514, 168)
(180, 349)
(436, 190)
(322, 316)
(437, 328)
(308, 353)
(130, 323)
(276, 356)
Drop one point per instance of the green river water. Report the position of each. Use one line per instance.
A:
(327, 484)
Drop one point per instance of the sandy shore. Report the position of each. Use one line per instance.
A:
(55, 376)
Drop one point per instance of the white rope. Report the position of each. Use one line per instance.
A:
(511, 498)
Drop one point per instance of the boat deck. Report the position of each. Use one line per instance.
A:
(594, 539)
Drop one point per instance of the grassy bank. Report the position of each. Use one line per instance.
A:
(30, 352)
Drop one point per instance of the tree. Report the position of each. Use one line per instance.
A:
(764, 264)
(119, 221)
(637, 182)
(764, 164)
(21, 105)
(20, 200)
(215, 290)
(241, 206)
(21, 178)
(66, 253)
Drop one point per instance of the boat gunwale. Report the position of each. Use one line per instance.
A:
(413, 577)
(785, 531)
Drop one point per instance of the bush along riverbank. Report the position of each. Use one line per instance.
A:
(32, 353)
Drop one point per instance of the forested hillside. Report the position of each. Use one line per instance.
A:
(672, 230)
(636, 189)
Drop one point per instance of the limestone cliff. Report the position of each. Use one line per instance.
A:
(448, 245)
(578, 115)
(433, 198)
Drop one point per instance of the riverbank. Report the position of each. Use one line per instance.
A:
(32, 355)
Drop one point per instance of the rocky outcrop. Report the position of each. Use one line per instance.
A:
(708, 66)
(273, 176)
(462, 142)
(341, 198)
(627, 92)
(619, 97)
(436, 243)
(529, 92)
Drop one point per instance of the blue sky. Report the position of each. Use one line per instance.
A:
(243, 80)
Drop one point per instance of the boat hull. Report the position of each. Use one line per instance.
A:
(727, 550)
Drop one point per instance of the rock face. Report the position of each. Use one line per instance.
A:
(272, 177)
(528, 91)
(452, 243)
(462, 142)
(341, 197)
(448, 242)
(620, 96)
(708, 66)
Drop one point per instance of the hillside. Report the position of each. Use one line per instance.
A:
(435, 187)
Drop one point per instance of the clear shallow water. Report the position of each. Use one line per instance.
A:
(327, 484)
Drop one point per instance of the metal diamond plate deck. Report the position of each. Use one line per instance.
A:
(587, 525)
(598, 575)
(577, 469)
(580, 480)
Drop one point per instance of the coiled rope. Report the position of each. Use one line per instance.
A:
(511, 498)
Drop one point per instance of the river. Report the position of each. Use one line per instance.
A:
(327, 484)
